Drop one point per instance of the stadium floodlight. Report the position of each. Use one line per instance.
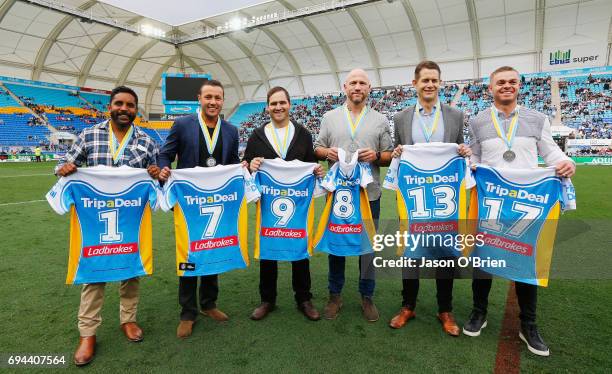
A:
(235, 24)
(149, 30)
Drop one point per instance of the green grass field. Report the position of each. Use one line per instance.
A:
(38, 311)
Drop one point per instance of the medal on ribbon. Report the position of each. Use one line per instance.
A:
(211, 142)
(116, 148)
(354, 126)
(428, 131)
(508, 138)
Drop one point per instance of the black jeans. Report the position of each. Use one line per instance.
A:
(300, 280)
(526, 294)
(209, 290)
(444, 287)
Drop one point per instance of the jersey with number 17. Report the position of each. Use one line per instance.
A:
(516, 211)
(210, 217)
(110, 222)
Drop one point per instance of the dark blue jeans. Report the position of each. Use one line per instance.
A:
(366, 268)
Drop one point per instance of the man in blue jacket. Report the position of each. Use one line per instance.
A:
(201, 139)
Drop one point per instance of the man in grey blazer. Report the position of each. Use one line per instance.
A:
(421, 123)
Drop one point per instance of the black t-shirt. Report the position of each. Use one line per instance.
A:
(204, 154)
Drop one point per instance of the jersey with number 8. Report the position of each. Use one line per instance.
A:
(210, 217)
(346, 227)
(110, 222)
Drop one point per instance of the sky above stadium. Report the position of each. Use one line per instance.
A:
(182, 11)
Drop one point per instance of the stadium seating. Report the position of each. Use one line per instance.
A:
(586, 105)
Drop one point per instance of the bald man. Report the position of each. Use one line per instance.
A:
(368, 134)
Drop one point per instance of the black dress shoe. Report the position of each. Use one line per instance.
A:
(530, 335)
(475, 323)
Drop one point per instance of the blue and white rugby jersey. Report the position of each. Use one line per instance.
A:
(110, 222)
(346, 227)
(516, 211)
(285, 212)
(431, 181)
(210, 217)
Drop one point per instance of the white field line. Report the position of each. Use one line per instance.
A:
(23, 202)
(25, 175)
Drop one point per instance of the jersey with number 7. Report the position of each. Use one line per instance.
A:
(210, 217)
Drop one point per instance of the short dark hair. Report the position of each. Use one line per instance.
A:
(426, 65)
(276, 89)
(213, 83)
(123, 89)
(502, 69)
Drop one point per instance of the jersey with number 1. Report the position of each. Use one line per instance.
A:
(431, 181)
(210, 217)
(110, 222)
(285, 212)
(346, 227)
(517, 211)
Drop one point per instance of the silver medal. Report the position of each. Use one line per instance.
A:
(353, 147)
(210, 162)
(509, 155)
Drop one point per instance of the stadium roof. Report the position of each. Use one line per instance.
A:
(307, 55)
(182, 11)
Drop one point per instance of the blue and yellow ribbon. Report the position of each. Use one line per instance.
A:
(211, 143)
(281, 150)
(116, 148)
(509, 137)
(354, 126)
(428, 131)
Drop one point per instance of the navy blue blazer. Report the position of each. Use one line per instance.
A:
(184, 138)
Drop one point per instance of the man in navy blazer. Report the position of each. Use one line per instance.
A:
(192, 147)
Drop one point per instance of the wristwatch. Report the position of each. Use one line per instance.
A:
(377, 156)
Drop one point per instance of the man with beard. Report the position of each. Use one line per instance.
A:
(115, 142)
(201, 139)
(428, 121)
(511, 136)
(355, 127)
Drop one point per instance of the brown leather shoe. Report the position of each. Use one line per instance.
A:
(448, 323)
(262, 311)
(86, 350)
(402, 318)
(309, 311)
(333, 306)
(370, 313)
(184, 329)
(132, 331)
(215, 314)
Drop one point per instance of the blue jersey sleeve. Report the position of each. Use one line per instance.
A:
(60, 196)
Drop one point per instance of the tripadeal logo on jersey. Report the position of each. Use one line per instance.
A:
(517, 193)
(110, 203)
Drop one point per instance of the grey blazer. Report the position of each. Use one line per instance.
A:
(453, 125)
